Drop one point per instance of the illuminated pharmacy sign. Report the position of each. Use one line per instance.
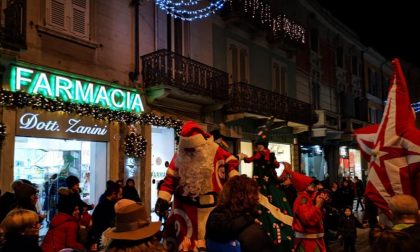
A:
(74, 88)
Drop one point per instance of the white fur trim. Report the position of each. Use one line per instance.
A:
(192, 141)
(165, 195)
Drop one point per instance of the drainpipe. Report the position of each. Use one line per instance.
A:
(134, 76)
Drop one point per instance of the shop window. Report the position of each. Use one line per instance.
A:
(47, 162)
(69, 17)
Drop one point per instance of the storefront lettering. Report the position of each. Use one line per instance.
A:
(74, 88)
(30, 121)
(76, 128)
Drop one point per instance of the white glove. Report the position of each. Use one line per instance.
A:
(242, 156)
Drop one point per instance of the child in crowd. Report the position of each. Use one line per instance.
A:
(347, 229)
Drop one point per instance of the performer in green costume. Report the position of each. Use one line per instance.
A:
(264, 173)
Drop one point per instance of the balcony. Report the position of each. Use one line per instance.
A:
(166, 73)
(13, 34)
(245, 98)
(327, 126)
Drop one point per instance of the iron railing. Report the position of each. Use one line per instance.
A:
(251, 99)
(13, 34)
(164, 67)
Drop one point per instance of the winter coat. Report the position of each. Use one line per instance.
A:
(20, 243)
(7, 203)
(103, 217)
(347, 226)
(62, 233)
(308, 220)
(224, 226)
(131, 193)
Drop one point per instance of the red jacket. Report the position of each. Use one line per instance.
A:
(62, 234)
(307, 220)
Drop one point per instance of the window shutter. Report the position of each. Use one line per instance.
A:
(234, 58)
(243, 65)
(283, 89)
(276, 78)
(56, 13)
(80, 18)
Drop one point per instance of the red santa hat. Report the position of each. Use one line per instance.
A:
(192, 135)
(299, 181)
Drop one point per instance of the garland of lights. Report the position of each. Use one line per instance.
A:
(135, 145)
(279, 25)
(21, 99)
(2, 133)
(189, 10)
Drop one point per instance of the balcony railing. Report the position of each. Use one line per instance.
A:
(164, 67)
(13, 34)
(251, 99)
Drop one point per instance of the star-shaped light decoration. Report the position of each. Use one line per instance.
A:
(392, 148)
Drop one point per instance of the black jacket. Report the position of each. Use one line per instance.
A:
(103, 217)
(20, 243)
(347, 226)
(131, 193)
(223, 226)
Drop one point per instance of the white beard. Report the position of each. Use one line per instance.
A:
(195, 170)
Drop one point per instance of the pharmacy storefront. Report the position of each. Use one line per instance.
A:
(60, 124)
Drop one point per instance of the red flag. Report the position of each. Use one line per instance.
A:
(392, 146)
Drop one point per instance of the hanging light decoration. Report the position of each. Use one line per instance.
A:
(279, 25)
(189, 10)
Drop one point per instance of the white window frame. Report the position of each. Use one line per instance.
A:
(70, 9)
(242, 74)
(280, 75)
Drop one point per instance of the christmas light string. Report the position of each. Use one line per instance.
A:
(189, 10)
(279, 25)
(21, 100)
(135, 145)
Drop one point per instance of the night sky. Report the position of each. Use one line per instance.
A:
(390, 27)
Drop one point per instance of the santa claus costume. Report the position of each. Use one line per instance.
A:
(308, 217)
(195, 176)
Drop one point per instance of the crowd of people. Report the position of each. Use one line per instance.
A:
(72, 222)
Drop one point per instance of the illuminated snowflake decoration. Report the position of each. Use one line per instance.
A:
(189, 10)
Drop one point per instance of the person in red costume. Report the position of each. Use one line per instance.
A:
(308, 213)
(195, 177)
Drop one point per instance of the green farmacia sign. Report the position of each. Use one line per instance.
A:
(73, 88)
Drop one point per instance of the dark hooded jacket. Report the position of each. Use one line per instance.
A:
(224, 226)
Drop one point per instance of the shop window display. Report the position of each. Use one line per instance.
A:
(47, 162)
